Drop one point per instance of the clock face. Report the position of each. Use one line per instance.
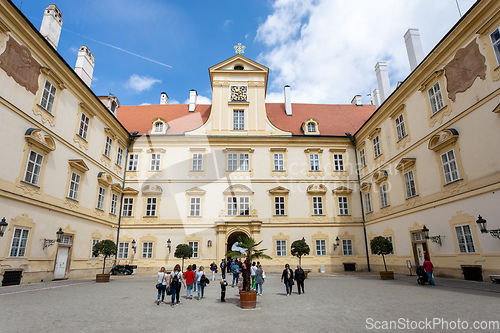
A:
(238, 93)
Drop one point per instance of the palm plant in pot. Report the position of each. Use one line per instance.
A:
(106, 248)
(382, 246)
(249, 251)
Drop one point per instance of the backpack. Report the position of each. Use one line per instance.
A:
(175, 278)
(236, 269)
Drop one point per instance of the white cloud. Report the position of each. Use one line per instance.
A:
(200, 100)
(145, 103)
(327, 49)
(227, 23)
(141, 83)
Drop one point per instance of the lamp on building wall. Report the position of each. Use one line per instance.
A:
(134, 247)
(434, 239)
(336, 244)
(49, 242)
(482, 225)
(3, 226)
(168, 245)
(209, 243)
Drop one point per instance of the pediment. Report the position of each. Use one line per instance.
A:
(236, 190)
(238, 60)
(195, 191)
(130, 191)
(316, 189)
(442, 139)
(153, 190)
(342, 190)
(79, 165)
(380, 176)
(279, 190)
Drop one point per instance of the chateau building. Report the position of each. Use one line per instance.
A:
(151, 177)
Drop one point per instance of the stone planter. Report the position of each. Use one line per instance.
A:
(248, 299)
(387, 275)
(102, 277)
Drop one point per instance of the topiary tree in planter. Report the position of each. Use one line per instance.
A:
(382, 246)
(299, 248)
(106, 248)
(183, 251)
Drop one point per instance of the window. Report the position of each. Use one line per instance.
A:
(311, 127)
(244, 162)
(343, 206)
(48, 96)
(123, 250)
(33, 168)
(107, 146)
(65, 240)
(495, 42)
(194, 246)
(279, 205)
(238, 120)
(151, 207)
(450, 167)
(128, 207)
(314, 162)
(232, 206)
(232, 162)
(279, 162)
(418, 236)
(100, 198)
(159, 127)
(84, 126)
(147, 250)
(195, 207)
(317, 205)
(411, 189)
(338, 162)
(368, 203)
(389, 238)
(133, 160)
(114, 200)
(197, 162)
(347, 247)
(376, 146)
(281, 248)
(155, 162)
(74, 184)
(435, 98)
(362, 158)
(19, 242)
(384, 200)
(244, 206)
(119, 156)
(464, 238)
(400, 127)
(94, 242)
(320, 247)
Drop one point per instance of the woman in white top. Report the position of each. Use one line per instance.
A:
(162, 284)
(175, 283)
(201, 284)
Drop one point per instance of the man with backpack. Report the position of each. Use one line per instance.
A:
(235, 269)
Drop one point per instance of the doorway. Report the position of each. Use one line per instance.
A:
(419, 248)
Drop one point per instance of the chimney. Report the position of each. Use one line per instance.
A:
(163, 98)
(413, 48)
(85, 65)
(384, 85)
(51, 25)
(192, 100)
(288, 101)
(376, 97)
(356, 100)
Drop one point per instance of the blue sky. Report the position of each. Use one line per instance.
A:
(325, 49)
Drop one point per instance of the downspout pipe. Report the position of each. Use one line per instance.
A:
(131, 140)
(351, 137)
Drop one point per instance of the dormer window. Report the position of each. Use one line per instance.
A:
(311, 127)
(159, 127)
(113, 107)
(238, 68)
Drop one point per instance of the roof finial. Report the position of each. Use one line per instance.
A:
(239, 48)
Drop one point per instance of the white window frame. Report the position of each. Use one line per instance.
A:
(376, 146)
(155, 162)
(114, 201)
(362, 157)
(244, 206)
(123, 249)
(384, 199)
(436, 98)
(94, 242)
(232, 206)
(347, 249)
(321, 247)
(465, 239)
(133, 161)
(147, 250)
(83, 129)
(317, 203)
(48, 96)
(311, 127)
(279, 161)
(119, 156)
(195, 246)
(314, 162)
(244, 162)
(100, 198)
(33, 168)
(343, 205)
(400, 126)
(107, 146)
(151, 205)
(410, 186)
(195, 206)
(238, 120)
(158, 126)
(368, 202)
(281, 248)
(279, 206)
(450, 166)
(496, 44)
(128, 207)
(197, 162)
(19, 243)
(74, 185)
(338, 162)
(232, 161)
(389, 238)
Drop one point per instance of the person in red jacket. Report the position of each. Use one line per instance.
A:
(428, 268)
(189, 275)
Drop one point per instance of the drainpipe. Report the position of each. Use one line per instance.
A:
(361, 198)
(131, 138)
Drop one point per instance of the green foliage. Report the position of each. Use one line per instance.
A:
(299, 248)
(381, 246)
(106, 248)
(183, 251)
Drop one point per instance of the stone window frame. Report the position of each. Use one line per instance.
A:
(405, 166)
(126, 249)
(131, 173)
(380, 178)
(195, 192)
(47, 75)
(278, 173)
(192, 153)
(281, 237)
(279, 192)
(342, 191)
(238, 172)
(436, 78)
(484, 33)
(78, 167)
(339, 152)
(315, 173)
(104, 181)
(305, 127)
(238, 191)
(401, 110)
(119, 167)
(317, 190)
(347, 241)
(326, 238)
(129, 193)
(21, 222)
(93, 241)
(373, 135)
(366, 189)
(155, 192)
(83, 142)
(155, 122)
(199, 240)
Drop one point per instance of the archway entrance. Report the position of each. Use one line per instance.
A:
(233, 239)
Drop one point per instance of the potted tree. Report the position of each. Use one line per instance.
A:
(183, 251)
(382, 246)
(106, 248)
(249, 251)
(300, 248)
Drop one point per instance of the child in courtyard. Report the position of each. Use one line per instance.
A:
(223, 285)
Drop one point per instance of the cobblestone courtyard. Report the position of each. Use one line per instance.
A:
(355, 302)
